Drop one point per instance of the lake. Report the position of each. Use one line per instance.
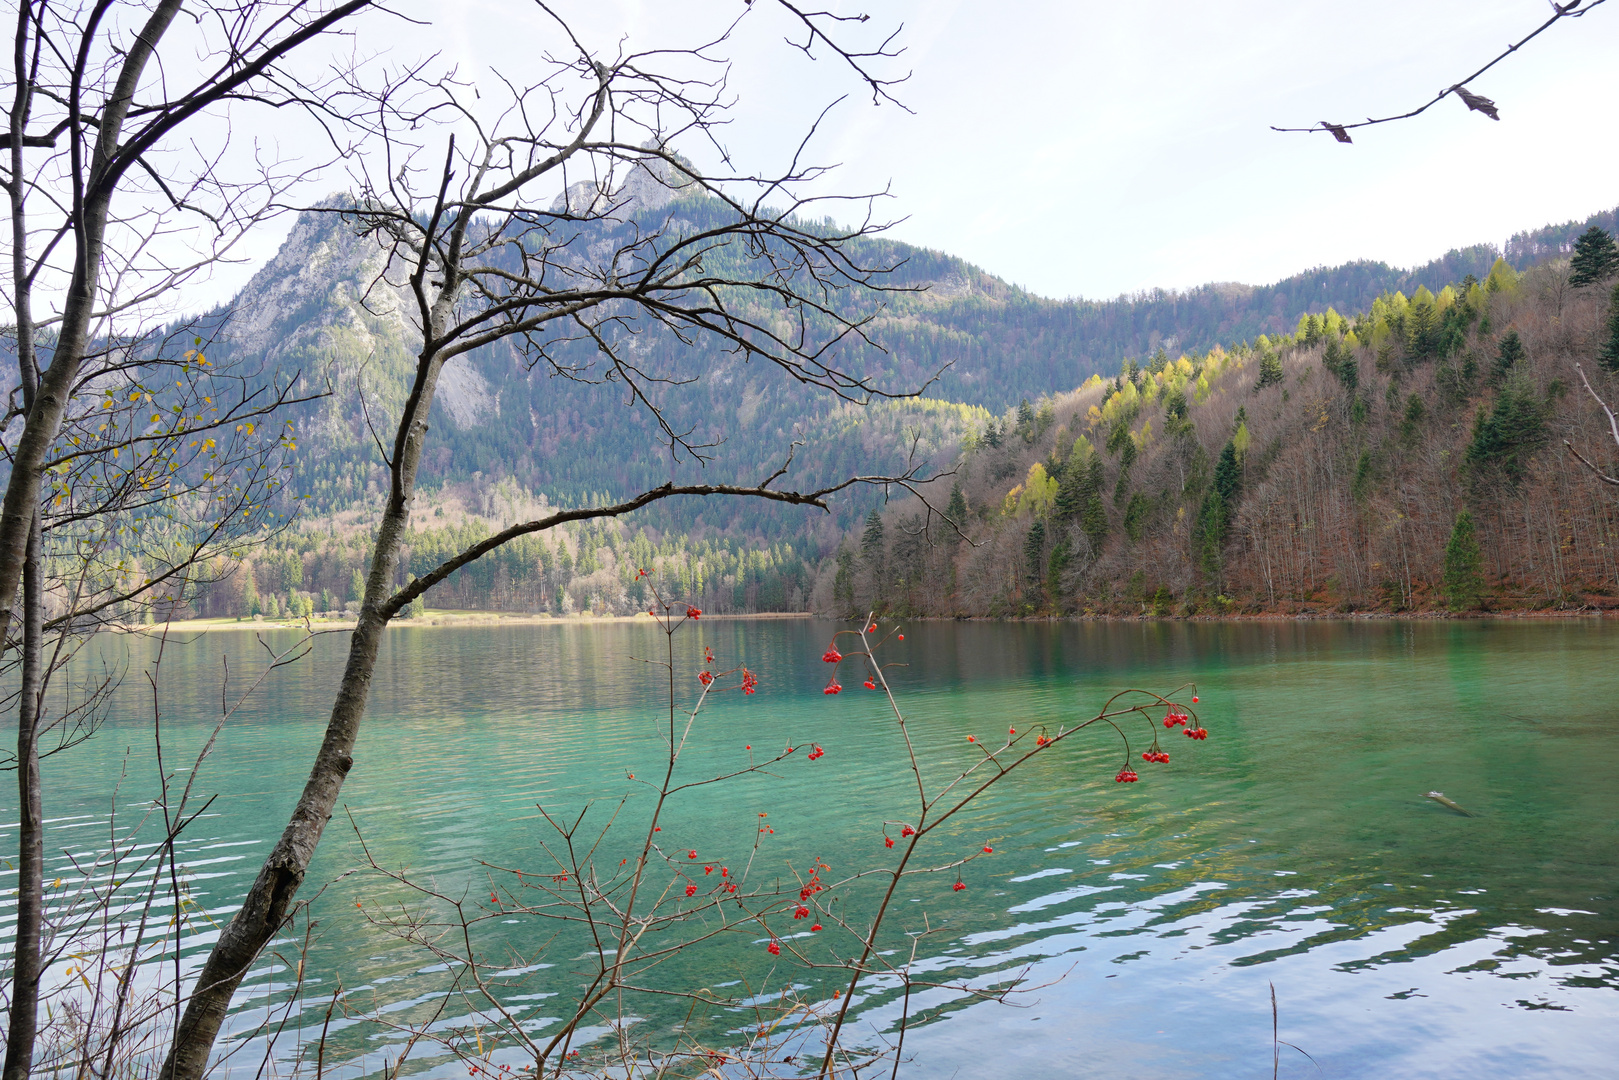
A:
(1291, 848)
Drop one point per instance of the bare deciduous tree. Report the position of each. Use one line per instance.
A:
(103, 169)
(459, 194)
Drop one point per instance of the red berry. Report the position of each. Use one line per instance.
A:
(691, 890)
(972, 738)
(958, 886)
(988, 850)
(801, 912)
(817, 926)
(902, 638)
(831, 655)
(774, 948)
(870, 685)
(888, 841)
(907, 831)
(832, 688)
(1194, 699)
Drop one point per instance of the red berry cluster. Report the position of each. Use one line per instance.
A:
(1197, 733)
(705, 677)
(750, 681)
(693, 613)
(801, 912)
(1156, 755)
(774, 948)
(958, 886)
(871, 684)
(833, 687)
(816, 752)
(888, 841)
(1126, 775)
(1175, 718)
(811, 887)
(907, 831)
(691, 890)
(1042, 740)
(831, 655)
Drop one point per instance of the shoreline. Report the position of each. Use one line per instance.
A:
(441, 619)
(497, 618)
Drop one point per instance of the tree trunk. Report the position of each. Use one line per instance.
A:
(269, 901)
(25, 972)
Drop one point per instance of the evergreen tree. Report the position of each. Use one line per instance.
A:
(1034, 549)
(1270, 370)
(1341, 362)
(1596, 258)
(956, 511)
(1135, 516)
(1228, 476)
(1126, 459)
(1422, 327)
(1094, 515)
(1609, 356)
(1070, 500)
(357, 586)
(1507, 357)
(872, 553)
(1411, 423)
(1025, 420)
(250, 592)
(871, 541)
(1463, 582)
(1507, 436)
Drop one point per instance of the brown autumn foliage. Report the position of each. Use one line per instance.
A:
(1349, 486)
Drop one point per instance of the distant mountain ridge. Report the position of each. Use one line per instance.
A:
(318, 307)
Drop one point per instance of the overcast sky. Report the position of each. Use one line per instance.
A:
(1092, 149)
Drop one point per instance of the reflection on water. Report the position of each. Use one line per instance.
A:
(1293, 847)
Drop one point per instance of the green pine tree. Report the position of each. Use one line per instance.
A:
(1609, 356)
(1506, 437)
(1228, 476)
(250, 592)
(1596, 258)
(1034, 549)
(1507, 358)
(1093, 516)
(1270, 370)
(1463, 582)
(357, 586)
(956, 510)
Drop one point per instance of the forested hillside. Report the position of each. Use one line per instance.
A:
(1408, 458)
(318, 308)
(546, 427)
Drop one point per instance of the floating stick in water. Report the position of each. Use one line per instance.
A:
(1439, 797)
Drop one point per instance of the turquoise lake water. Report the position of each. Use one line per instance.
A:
(1293, 847)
